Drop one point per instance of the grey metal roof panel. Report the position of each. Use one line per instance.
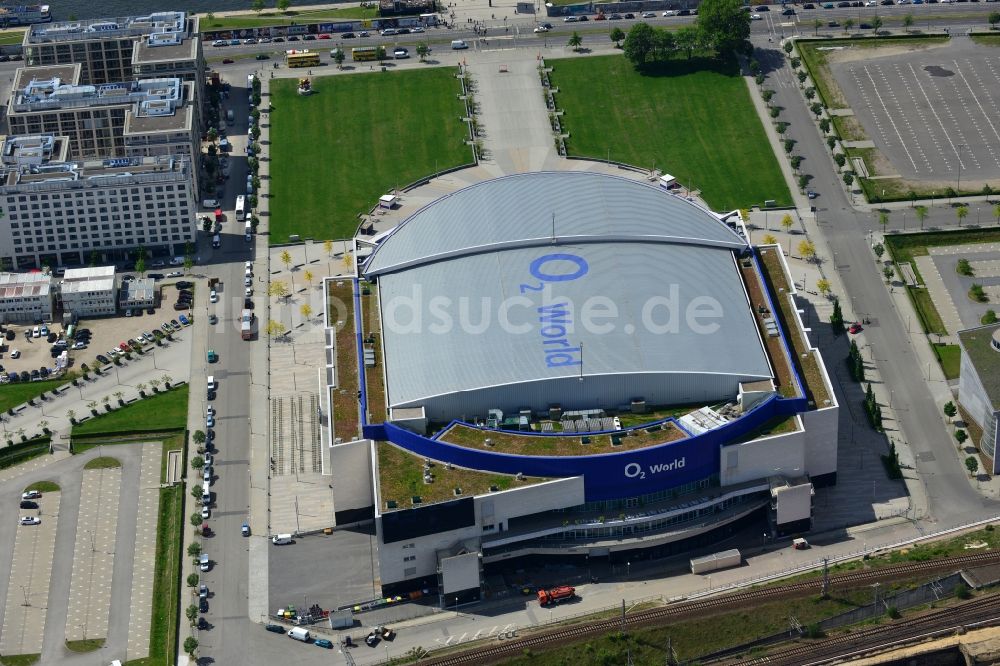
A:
(524, 209)
(474, 321)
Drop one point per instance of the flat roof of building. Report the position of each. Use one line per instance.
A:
(140, 290)
(978, 346)
(88, 273)
(181, 119)
(533, 208)
(23, 285)
(150, 52)
(649, 289)
(69, 73)
(100, 172)
(163, 23)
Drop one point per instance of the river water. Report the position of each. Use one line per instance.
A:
(63, 10)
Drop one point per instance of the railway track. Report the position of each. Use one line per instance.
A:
(981, 611)
(659, 616)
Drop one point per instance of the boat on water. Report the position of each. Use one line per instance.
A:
(23, 14)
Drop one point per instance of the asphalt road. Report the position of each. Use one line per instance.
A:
(952, 499)
(956, 15)
(225, 642)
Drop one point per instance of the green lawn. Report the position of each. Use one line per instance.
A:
(333, 153)
(85, 645)
(166, 410)
(45, 487)
(950, 358)
(12, 395)
(19, 659)
(12, 37)
(689, 118)
(166, 580)
(103, 462)
(270, 18)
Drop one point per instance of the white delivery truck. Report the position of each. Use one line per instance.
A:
(281, 539)
(299, 634)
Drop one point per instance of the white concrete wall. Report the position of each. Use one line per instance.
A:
(780, 454)
(352, 478)
(460, 572)
(495, 509)
(822, 428)
(794, 503)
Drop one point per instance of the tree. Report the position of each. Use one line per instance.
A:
(199, 436)
(196, 492)
(993, 19)
(195, 519)
(823, 286)
(140, 260)
(787, 47)
(306, 310)
(155, 383)
(197, 462)
(837, 318)
(275, 328)
(141, 388)
(575, 40)
(848, 24)
(971, 463)
(206, 225)
(278, 289)
(118, 396)
(688, 39)
(787, 222)
(876, 25)
(888, 272)
(817, 24)
(921, 212)
(961, 213)
(617, 35)
(194, 549)
(191, 643)
(963, 267)
(283, 5)
(769, 239)
(308, 277)
(286, 258)
(908, 22)
(191, 612)
(807, 250)
(422, 51)
(257, 6)
(883, 219)
(724, 25)
(192, 579)
(639, 43)
(380, 52)
(950, 410)
(989, 317)
(328, 247)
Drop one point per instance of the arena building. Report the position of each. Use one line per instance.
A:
(575, 364)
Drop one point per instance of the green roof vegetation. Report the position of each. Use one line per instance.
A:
(401, 477)
(807, 361)
(533, 444)
(984, 358)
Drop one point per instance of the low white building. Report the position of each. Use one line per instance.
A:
(89, 292)
(25, 297)
(137, 294)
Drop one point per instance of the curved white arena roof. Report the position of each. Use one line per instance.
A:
(526, 209)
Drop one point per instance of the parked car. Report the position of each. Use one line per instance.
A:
(275, 628)
(227, 61)
(16, 353)
(31, 494)
(103, 359)
(31, 520)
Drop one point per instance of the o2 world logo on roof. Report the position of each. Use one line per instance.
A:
(556, 319)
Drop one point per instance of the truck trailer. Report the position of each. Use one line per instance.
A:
(716, 561)
(556, 595)
(246, 325)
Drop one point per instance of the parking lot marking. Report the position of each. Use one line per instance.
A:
(94, 555)
(141, 605)
(892, 122)
(28, 590)
(986, 142)
(931, 106)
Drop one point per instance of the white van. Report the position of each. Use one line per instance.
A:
(458, 44)
(281, 539)
(210, 203)
(299, 634)
(206, 497)
(211, 383)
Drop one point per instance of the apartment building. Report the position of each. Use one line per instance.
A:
(121, 49)
(25, 297)
(60, 212)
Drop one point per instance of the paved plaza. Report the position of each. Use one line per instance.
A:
(144, 564)
(932, 112)
(94, 555)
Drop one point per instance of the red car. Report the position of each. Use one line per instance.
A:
(324, 36)
(855, 328)
(123, 346)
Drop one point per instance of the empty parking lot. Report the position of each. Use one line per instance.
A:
(931, 112)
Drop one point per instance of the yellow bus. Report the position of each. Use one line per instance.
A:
(301, 59)
(365, 53)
